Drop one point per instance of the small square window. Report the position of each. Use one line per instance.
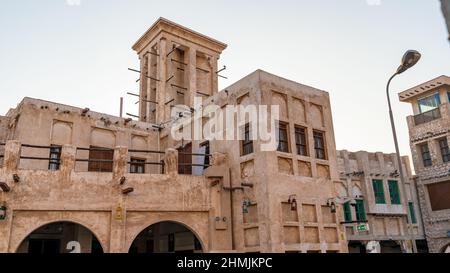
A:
(445, 151)
(283, 138)
(426, 156)
(319, 145)
(55, 158)
(247, 142)
(300, 141)
(137, 165)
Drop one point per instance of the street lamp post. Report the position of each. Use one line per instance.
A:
(410, 58)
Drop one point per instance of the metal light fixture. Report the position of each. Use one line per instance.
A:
(245, 204)
(127, 191)
(16, 178)
(332, 204)
(410, 59)
(123, 180)
(3, 211)
(4, 187)
(293, 202)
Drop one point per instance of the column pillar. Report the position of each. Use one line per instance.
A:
(214, 76)
(192, 70)
(12, 155)
(120, 163)
(162, 76)
(143, 88)
(148, 60)
(68, 157)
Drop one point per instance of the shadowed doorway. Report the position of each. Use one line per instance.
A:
(166, 237)
(60, 237)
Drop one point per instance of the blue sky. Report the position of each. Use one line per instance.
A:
(79, 54)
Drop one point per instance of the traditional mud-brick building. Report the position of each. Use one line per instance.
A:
(429, 130)
(392, 217)
(76, 180)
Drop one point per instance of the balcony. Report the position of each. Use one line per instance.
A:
(427, 116)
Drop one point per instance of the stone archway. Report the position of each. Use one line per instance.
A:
(446, 249)
(167, 237)
(60, 237)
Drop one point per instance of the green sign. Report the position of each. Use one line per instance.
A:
(362, 227)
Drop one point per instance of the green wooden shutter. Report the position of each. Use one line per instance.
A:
(394, 192)
(347, 212)
(412, 213)
(379, 191)
(360, 211)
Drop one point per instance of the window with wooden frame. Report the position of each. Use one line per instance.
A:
(54, 158)
(283, 137)
(301, 141)
(360, 211)
(439, 195)
(137, 165)
(445, 151)
(185, 159)
(394, 192)
(412, 213)
(347, 212)
(378, 191)
(247, 142)
(426, 156)
(319, 145)
(206, 161)
(101, 159)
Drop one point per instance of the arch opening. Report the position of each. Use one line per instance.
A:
(61, 237)
(166, 237)
(446, 249)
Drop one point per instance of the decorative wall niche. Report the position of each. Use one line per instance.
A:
(289, 215)
(61, 132)
(252, 216)
(304, 168)
(291, 235)
(103, 138)
(331, 235)
(312, 235)
(251, 237)
(138, 142)
(247, 169)
(285, 166)
(298, 109)
(323, 171)
(309, 213)
(327, 216)
(244, 100)
(316, 115)
(281, 100)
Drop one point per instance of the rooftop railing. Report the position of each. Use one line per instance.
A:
(186, 167)
(53, 155)
(427, 116)
(99, 159)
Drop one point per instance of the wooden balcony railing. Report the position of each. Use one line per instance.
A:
(427, 116)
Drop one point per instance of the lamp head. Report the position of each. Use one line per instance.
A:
(410, 59)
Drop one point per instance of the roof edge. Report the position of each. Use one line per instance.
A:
(162, 20)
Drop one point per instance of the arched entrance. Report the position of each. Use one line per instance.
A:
(446, 249)
(390, 247)
(166, 237)
(60, 237)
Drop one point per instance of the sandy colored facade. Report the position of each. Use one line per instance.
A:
(429, 134)
(117, 178)
(384, 210)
